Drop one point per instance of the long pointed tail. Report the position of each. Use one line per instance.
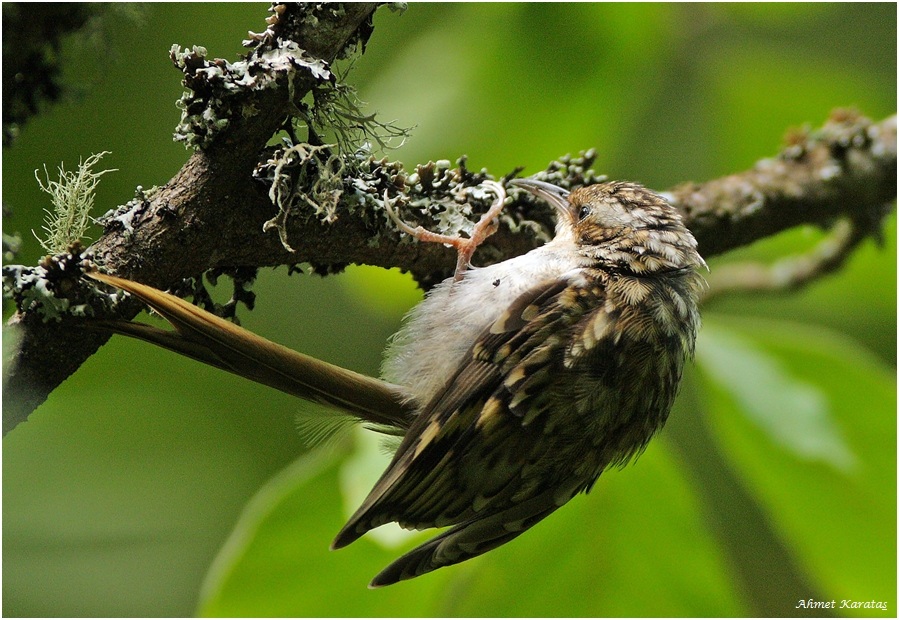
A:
(212, 340)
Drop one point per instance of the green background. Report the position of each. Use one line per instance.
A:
(151, 485)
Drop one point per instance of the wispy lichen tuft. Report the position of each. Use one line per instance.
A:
(73, 198)
(337, 113)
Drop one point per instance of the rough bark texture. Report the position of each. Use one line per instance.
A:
(212, 213)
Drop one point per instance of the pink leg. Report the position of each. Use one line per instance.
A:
(465, 248)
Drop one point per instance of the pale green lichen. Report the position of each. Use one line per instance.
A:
(72, 197)
(313, 173)
(302, 173)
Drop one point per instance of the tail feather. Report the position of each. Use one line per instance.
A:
(212, 340)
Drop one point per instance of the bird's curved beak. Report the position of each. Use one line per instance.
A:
(554, 195)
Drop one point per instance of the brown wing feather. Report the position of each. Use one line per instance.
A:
(546, 399)
(446, 456)
(467, 540)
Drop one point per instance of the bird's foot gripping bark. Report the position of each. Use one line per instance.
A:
(465, 247)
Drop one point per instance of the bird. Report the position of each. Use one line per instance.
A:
(513, 387)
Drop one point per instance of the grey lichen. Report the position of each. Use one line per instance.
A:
(302, 173)
(72, 197)
(447, 195)
(125, 217)
(55, 288)
(452, 195)
(315, 174)
(217, 89)
(439, 195)
(571, 172)
(448, 199)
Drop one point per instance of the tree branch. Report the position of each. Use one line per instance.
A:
(213, 213)
(847, 167)
(791, 273)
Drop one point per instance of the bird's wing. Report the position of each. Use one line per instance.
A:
(215, 341)
(471, 452)
(468, 540)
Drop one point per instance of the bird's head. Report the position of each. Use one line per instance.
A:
(622, 225)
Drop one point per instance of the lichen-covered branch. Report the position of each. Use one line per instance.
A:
(847, 167)
(237, 205)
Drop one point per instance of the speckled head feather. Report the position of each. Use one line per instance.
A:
(626, 226)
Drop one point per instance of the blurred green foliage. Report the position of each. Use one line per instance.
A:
(150, 485)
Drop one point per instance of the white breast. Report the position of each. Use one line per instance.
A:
(439, 331)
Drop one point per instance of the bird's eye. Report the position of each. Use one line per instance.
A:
(583, 212)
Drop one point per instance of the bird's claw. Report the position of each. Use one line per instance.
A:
(465, 247)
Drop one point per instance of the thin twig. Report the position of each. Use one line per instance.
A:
(787, 274)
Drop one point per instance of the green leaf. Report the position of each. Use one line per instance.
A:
(836, 512)
(277, 561)
(795, 413)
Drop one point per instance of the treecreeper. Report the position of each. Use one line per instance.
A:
(513, 386)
